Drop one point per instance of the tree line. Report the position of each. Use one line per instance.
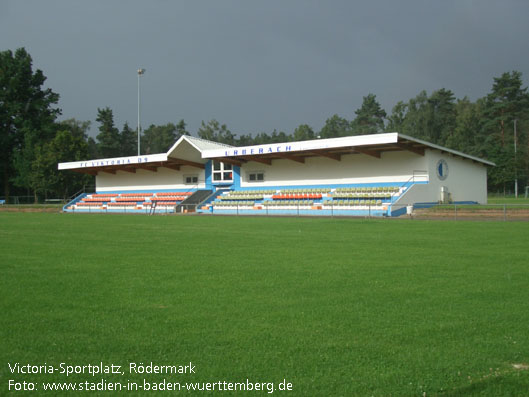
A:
(33, 141)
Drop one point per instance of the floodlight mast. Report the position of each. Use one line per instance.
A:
(515, 163)
(140, 73)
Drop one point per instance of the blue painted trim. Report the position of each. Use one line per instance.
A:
(214, 196)
(236, 177)
(146, 191)
(332, 186)
(363, 213)
(399, 212)
(120, 211)
(432, 203)
(235, 183)
(74, 201)
(208, 177)
(424, 205)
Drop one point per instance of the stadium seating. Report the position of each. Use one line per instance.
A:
(122, 204)
(333, 200)
(296, 196)
(160, 203)
(105, 196)
(128, 201)
(88, 204)
(131, 198)
(169, 198)
(95, 200)
(336, 199)
(235, 203)
(136, 194)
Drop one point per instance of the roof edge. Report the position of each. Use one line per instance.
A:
(189, 139)
(142, 159)
(445, 149)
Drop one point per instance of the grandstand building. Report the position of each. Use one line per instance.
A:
(376, 175)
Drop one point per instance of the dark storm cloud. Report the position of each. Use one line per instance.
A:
(257, 66)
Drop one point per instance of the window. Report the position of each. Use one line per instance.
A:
(257, 176)
(222, 172)
(190, 179)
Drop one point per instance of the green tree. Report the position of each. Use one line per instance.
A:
(465, 136)
(432, 118)
(261, 138)
(369, 118)
(109, 142)
(76, 127)
(335, 126)
(79, 129)
(181, 129)
(507, 101)
(278, 137)
(303, 133)
(214, 131)
(397, 118)
(158, 138)
(441, 116)
(93, 148)
(27, 176)
(25, 108)
(415, 119)
(128, 140)
(64, 147)
(245, 140)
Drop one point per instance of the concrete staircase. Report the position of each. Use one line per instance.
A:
(191, 203)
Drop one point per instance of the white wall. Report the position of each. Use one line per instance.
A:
(164, 178)
(353, 168)
(466, 181)
(187, 152)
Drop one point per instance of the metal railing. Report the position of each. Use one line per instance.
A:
(453, 212)
(146, 210)
(18, 200)
(84, 189)
(329, 208)
(477, 212)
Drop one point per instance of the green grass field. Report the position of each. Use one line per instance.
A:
(507, 200)
(337, 307)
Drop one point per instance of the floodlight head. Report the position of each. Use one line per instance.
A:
(141, 71)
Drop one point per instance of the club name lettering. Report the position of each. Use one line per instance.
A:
(128, 160)
(261, 150)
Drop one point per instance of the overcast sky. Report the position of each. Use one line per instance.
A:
(259, 66)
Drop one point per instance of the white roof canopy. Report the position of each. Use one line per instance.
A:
(334, 148)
